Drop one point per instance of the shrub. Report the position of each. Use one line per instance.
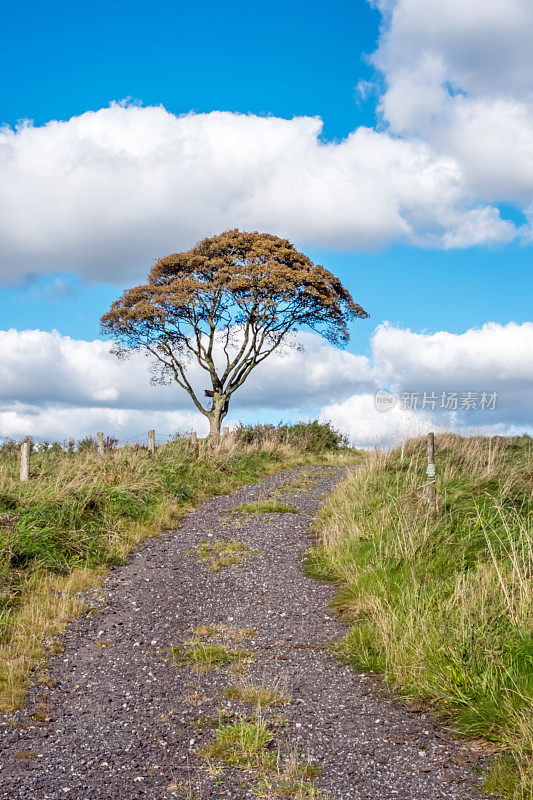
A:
(311, 437)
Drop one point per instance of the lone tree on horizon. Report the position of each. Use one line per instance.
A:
(227, 303)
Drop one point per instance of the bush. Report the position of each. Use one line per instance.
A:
(311, 437)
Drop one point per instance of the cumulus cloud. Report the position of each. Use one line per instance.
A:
(370, 429)
(52, 386)
(105, 193)
(50, 382)
(493, 355)
(459, 75)
(438, 381)
(61, 423)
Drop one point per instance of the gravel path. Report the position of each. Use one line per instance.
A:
(120, 719)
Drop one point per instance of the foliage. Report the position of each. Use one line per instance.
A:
(313, 436)
(86, 444)
(227, 304)
(443, 606)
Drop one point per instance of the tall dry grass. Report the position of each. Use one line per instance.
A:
(442, 605)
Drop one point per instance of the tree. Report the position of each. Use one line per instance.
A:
(227, 303)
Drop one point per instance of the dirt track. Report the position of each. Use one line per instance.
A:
(121, 719)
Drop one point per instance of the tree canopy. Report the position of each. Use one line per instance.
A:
(228, 303)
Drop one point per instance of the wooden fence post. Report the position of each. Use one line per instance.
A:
(151, 442)
(25, 449)
(100, 446)
(225, 431)
(431, 473)
(194, 437)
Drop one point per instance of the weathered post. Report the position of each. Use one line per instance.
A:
(194, 438)
(225, 431)
(151, 442)
(25, 449)
(431, 473)
(100, 446)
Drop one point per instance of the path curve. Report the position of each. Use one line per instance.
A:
(119, 720)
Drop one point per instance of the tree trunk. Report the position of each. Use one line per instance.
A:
(218, 411)
(216, 415)
(215, 421)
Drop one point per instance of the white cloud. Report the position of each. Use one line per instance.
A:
(50, 382)
(52, 386)
(369, 429)
(459, 75)
(491, 356)
(105, 193)
(492, 359)
(485, 45)
(61, 423)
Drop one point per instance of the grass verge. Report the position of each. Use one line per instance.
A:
(443, 605)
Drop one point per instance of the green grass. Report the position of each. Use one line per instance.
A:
(206, 657)
(290, 779)
(242, 745)
(218, 554)
(443, 605)
(76, 516)
(257, 695)
(249, 744)
(268, 506)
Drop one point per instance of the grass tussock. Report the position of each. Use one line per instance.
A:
(242, 744)
(290, 779)
(76, 516)
(218, 554)
(213, 647)
(208, 656)
(442, 605)
(268, 506)
(249, 744)
(257, 695)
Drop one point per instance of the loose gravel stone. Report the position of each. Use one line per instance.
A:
(118, 719)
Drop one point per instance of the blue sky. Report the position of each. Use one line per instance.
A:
(286, 59)
(416, 288)
(451, 254)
